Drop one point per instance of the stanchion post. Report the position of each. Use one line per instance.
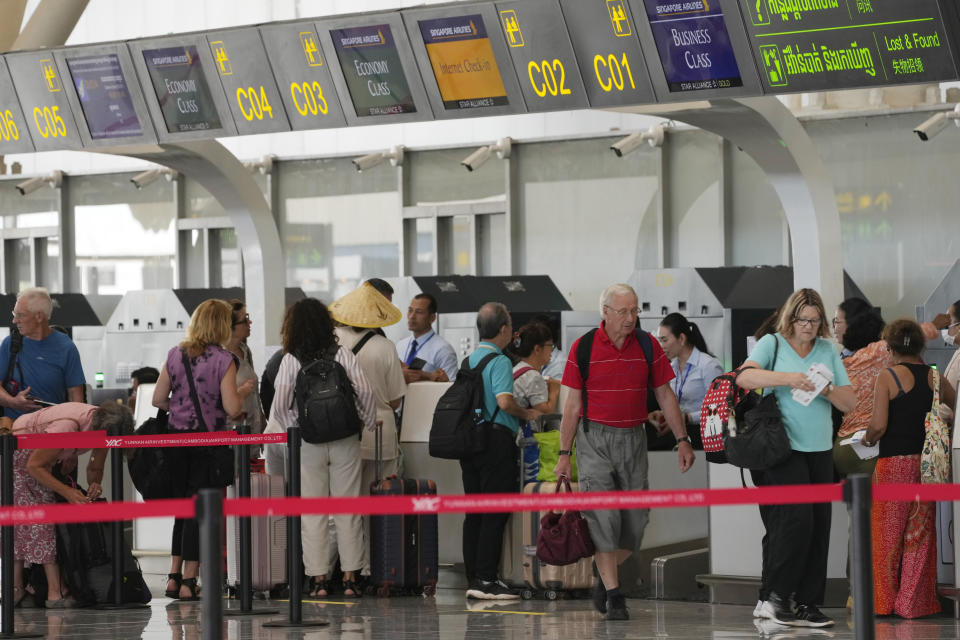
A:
(857, 493)
(210, 517)
(116, 494)
(294, 562)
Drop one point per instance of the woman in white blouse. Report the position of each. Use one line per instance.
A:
(694, 368)
(331, 468)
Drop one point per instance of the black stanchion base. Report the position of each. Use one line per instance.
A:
(234, 613)
(107, 606)
(286, 624)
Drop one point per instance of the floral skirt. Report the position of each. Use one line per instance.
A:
(904, 546)
(32, 543)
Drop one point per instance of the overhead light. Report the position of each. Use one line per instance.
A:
(54, 179)
(369, 161)
(937, 123)
(476, 159)
(652, 136)
(262, 166)
(150, 176)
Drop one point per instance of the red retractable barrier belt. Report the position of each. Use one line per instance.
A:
(100, 440)
(96, 512)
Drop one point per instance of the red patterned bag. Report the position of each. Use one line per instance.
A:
(718, 404)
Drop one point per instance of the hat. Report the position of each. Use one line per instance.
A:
(365, 307)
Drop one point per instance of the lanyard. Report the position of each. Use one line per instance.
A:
(682, 382)
(413, 352)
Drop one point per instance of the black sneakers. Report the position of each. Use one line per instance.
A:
(617, 608)
(485, 590)
(600, 596)
(808, 615)
(778, 610)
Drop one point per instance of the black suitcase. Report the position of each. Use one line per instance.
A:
(403, 548)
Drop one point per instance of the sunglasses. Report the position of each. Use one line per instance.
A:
(245, 320)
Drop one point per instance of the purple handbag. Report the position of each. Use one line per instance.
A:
(564, 537)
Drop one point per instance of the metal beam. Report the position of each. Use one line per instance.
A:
(12, 12)
(50, 25)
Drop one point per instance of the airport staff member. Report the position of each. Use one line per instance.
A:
(425, 355)
(47, 367)
(611, 441)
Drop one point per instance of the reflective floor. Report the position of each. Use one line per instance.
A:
(450, 616)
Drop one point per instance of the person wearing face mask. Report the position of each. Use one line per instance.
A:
(949, 325)
(694, 368)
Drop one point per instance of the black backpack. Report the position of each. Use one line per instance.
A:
(326, 401)
(150, 467)
(459, 429)
(585, 348)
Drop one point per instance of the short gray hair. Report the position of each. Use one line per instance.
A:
(37, 300)
(619, 289)
(490, 318)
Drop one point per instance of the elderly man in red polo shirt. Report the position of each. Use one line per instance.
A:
(611, 443)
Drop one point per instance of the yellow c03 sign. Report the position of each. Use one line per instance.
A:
(308, 98)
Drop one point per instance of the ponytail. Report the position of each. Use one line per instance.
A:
(680, 326)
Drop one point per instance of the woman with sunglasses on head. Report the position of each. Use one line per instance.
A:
(795, 560)
(694, 368)
(237, 345)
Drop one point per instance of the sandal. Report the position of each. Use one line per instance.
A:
(177, 578)
(351, 586)
(191, 585)
(315, 586)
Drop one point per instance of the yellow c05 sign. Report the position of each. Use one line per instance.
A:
(49, 122)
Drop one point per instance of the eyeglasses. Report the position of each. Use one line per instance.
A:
(246, 320)
(623, 313)
(837, 321)
(807, 322)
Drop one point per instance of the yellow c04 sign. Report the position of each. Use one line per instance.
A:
(253, 103)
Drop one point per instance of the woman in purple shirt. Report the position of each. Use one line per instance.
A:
(215, 379)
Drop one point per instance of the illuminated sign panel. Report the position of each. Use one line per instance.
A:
(104, 96)
(830, 44)
(373, 71)
(14, 135)
(303, 76)
(181, 88)
(463, 62)
(240, 61)
(46, 108)
(694, 44)
(611, 62)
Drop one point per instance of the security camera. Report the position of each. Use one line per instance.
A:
(931, 126)
(31, 185)
(146, 178)
(476, 159)
(369, 161)
(652, 136)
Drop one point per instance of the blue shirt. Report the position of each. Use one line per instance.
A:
(690, 384)
(810, 428)
(497, 381)
(49, 367)
(432, 349)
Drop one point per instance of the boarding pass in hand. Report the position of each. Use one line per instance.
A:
(820, 376)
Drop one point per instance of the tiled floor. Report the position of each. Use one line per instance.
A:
(450, 616)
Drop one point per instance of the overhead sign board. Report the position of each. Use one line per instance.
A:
(179, 82)
(101, 85)
(14, 134)
(825, 45)
(240, 61)
(303, 76)
(43, 97)
(604, 36)
(376, 74)
(696, 49)
(464, 61)
(542, 54)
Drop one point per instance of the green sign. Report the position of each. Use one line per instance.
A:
(818, 45)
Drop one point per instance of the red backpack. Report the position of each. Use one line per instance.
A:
(715, 413)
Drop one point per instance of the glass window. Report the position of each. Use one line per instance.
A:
(491, 245)
(17, 264)
(192, 256)
(457, 246)
(37, 209)
(107, 208)
(48, 263)
(226, 269)
(420, 238)
(338, 226)
(437, 176)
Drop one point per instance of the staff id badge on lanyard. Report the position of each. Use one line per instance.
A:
(679, 382)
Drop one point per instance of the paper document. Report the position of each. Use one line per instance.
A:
(863, 451)
(820, 376)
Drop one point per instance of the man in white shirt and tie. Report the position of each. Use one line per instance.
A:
(425, 355)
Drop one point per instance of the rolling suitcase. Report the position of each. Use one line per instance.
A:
(403, 548)
(549, 579)
(268, 538)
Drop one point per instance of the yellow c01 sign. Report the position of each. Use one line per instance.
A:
(8, 128)
(548, 77)
(253, 103)
(612, 72)
(308, 98)
(49, 122)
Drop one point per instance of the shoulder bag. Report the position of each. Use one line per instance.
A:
(219, 473)
(935, 458)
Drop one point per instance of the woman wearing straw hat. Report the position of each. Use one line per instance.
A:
(359, 314)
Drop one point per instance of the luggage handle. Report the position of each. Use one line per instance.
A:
(378, 451)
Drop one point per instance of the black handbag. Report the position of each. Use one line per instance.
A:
(220, 472)
(755, 437)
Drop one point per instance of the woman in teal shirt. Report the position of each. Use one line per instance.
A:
(798, 536)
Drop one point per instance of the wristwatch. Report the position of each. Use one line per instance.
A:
(684, 439)
(564, 452)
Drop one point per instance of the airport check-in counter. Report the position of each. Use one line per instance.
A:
(669, 529)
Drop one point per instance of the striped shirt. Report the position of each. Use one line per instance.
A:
(617, 380)
(283, 411)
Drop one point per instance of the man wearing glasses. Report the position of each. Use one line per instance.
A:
(47, 368)
(606, 413)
